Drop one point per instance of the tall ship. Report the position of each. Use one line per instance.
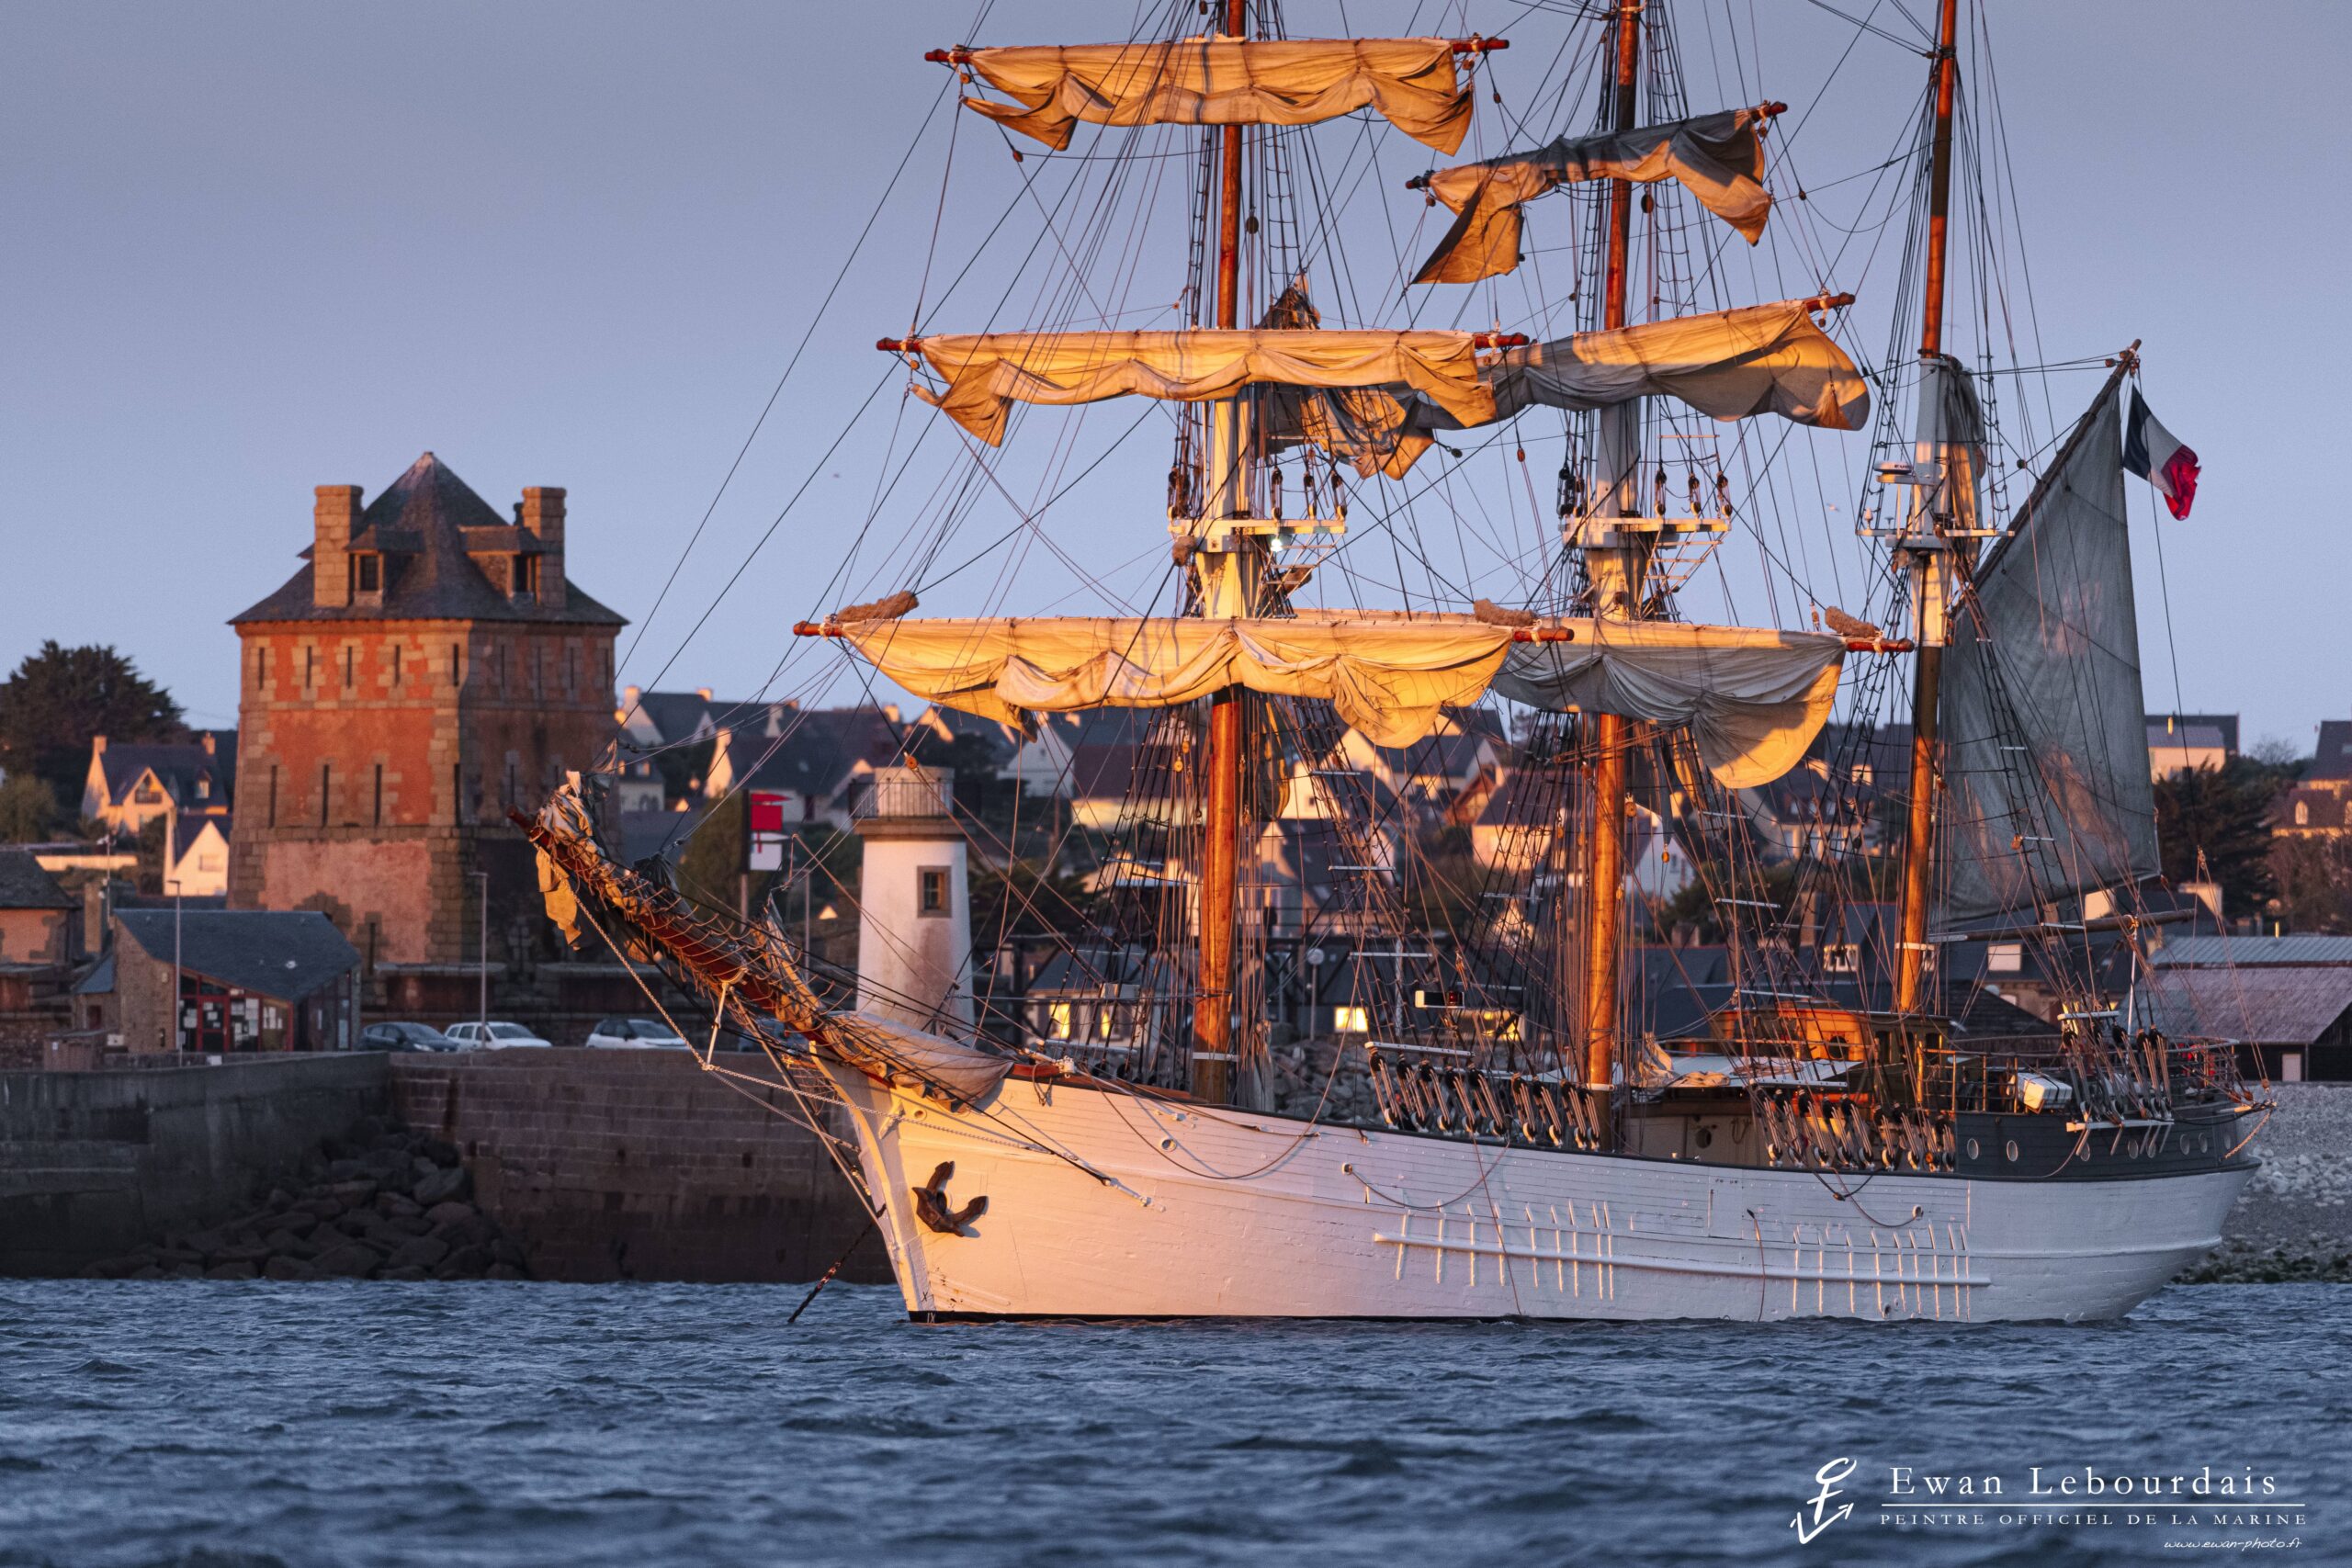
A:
(1497, 1117)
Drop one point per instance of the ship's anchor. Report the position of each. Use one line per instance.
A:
(930, 1204)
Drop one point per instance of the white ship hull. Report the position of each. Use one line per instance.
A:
(1200, 1212)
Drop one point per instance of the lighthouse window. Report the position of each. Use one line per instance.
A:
(931, 890)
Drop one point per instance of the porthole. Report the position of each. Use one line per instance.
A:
(2011, 1151)
(1972, 1149)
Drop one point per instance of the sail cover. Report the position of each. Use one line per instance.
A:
(1753, 698)
(1227, 80)
(1719, 158)
(886, 1047)
(2045, 740)
(987, 372)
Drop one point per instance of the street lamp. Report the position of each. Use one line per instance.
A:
(482, 950)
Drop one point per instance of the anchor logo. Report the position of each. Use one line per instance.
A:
(930, 1204)
(1829, 1475)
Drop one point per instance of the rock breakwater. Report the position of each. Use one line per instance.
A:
(379, 1203)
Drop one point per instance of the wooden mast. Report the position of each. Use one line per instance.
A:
(1229, 587)
(1620, 453)
(1929, 580)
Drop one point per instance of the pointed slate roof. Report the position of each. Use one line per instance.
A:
(25, 886)
(424, 521)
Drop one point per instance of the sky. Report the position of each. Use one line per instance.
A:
(252, 249)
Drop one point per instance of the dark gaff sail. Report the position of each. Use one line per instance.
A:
(2047, 759)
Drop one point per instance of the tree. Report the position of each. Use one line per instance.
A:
(28, 808)
(61, 696)
(710, 870)
(2223, 814)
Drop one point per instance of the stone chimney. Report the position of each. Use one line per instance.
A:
(334, 518)
(542, 517)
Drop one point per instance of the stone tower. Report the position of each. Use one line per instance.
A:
(429, 670)
(914, 930)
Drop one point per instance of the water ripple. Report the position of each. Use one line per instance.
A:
(487, 1425)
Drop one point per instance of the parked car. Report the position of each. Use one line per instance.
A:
(404, 1037)
(635, 1032)
(492, 1036)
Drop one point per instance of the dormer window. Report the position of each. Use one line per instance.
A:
(367, 573)
(526, 576)
(204, 787)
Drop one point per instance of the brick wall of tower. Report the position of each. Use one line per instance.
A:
(377, 762)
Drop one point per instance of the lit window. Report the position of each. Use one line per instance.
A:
(2005, 957)
(1350, 1021)
(1061, 1015)
(2302, 813)
(931, 893)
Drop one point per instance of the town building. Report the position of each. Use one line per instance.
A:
(2179, 741)
(820, 760)
(248, 980)
(196, 856)
(39, 921)
(429, 670)
(2319, 805)
(2286, 1000)
(133, 784)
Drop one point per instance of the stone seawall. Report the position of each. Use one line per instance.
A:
(93, 1164)
(637, 1165)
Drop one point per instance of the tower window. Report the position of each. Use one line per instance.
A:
(347, 664)
(380, 795)
(309, 665)
(273, 794)
(457, 666)
(326, 781)
(396, 664)
(931, 891)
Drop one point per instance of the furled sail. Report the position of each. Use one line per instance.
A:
(1226, 80)
(1387, 675)
(1736, 363)
(1719, 158)
(1730, 364)
(2046, 749)
(987, 372)
(1753, 698)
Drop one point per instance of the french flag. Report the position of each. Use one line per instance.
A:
(2156, 455)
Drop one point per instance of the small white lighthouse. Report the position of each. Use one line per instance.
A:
(914, 928)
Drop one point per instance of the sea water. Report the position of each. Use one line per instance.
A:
(217, 1424)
